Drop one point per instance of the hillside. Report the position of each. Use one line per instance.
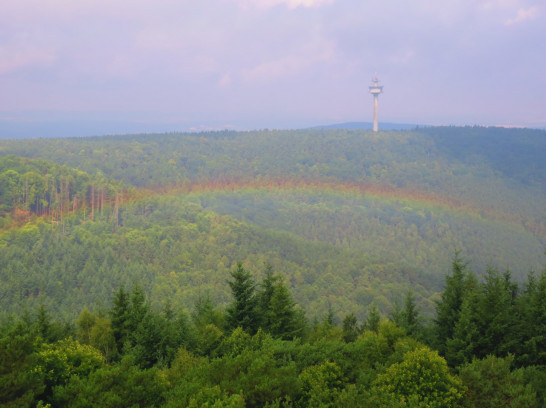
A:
(349, 217)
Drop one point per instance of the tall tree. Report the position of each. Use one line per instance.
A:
(243, 310)
(264, 297)
(120, 317)
(283, 316)
(448, 308)
(350, 328)
(495, 315)
(373, 319)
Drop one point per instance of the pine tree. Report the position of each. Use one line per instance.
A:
(533, 349)
(264, 297)
(495, 315)
(120, 316)
(350, 328)
(459, 349)
(283, 315)
(243, 310)
(448, 309)
(372, 321)
(410, 315)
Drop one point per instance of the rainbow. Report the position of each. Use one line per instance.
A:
(411, 197)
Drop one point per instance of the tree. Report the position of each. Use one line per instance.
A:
(205, 313)
(495, 315)
(120, 317)
(448, 308)
(350, 328)
(461, 347)
(408, 316)
(117, 386)
(20, 383)
(490, 384)
(264, 297)
(532, 326)
(84, 325)
(421, 379)
(283, 315)
(243, 310)
(64, 359)
(320, 385)
(372, 321)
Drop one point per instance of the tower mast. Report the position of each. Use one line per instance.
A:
(375, 90)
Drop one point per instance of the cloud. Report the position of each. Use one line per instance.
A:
(523, 14)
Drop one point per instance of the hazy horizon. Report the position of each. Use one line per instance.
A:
(251, 64)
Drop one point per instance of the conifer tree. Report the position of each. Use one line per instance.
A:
(243, 310)
(350, 328)
(533, 342)
(372, 321)
(459, 349)
(283, 315)
(495, 315)
(120, 315)
(410, 315)
(264, 297)
(448, 309)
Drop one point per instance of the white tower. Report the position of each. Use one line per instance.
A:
(375, 90)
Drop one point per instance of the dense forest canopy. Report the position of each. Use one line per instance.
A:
(312, 268)
(349, 217)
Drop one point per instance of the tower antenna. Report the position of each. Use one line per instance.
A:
(375, 90)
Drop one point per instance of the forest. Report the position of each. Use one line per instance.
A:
(485, 348)
(274, 268)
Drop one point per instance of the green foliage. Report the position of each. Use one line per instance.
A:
(346, 219)
(122, 385)
(41, 188)
(422, 379)
(491, 383)
(60, 361)
(254, 370)
(320, 385)
(243, 311)
(532, 327)
(286, 321)
(20, 382)
(350, 328)
(448, 308)
(372, 320)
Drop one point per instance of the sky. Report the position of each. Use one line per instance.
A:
(169, 65)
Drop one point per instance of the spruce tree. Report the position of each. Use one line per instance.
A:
(350, 328)
(372, 321)
(495, 315)
(243, 310)
(411, 321)
(120, 315)
(264, 297)
(283, 315)
(459, 349)
(448, 309)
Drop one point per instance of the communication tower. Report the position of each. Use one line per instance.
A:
(375, 90)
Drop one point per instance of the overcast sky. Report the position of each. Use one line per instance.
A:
(273, 63)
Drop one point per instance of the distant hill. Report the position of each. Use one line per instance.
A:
(367, 126)
(347, 216)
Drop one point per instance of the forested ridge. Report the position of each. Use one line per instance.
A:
(123, 261)
(348, 217)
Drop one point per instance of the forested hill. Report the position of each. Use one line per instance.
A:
(348, 217)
